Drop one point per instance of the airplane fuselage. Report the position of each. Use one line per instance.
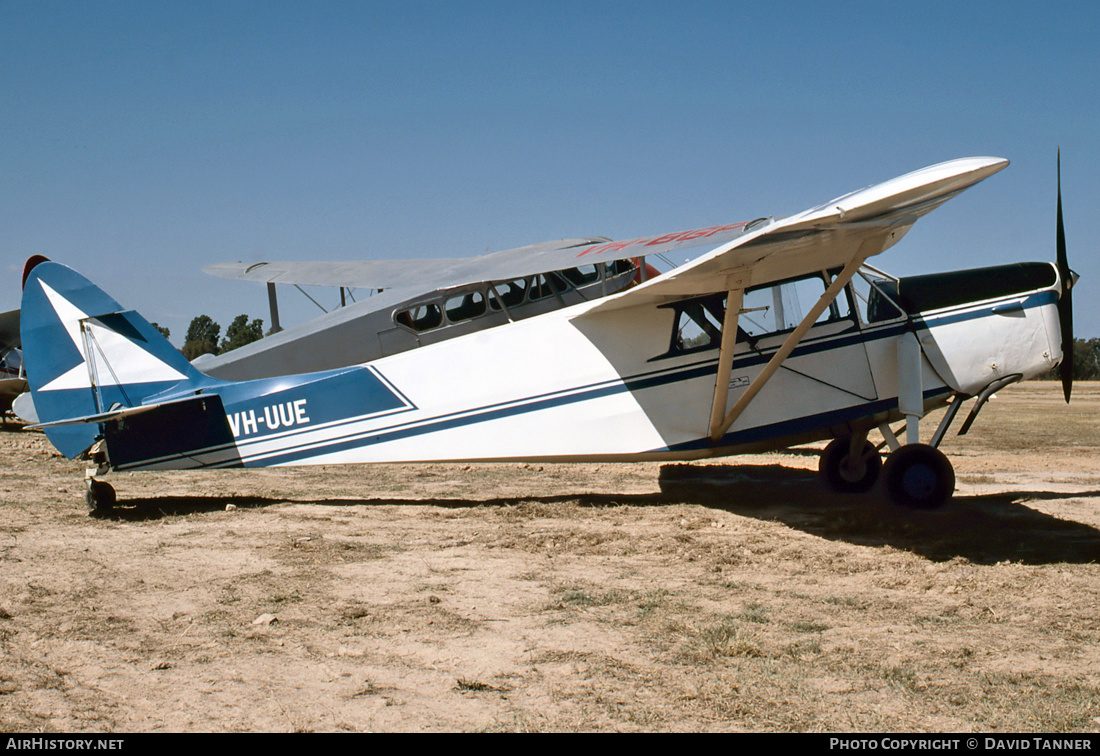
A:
(636, 383)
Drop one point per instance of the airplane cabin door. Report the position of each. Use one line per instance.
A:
(828, 370)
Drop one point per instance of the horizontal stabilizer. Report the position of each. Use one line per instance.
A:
(111, 415)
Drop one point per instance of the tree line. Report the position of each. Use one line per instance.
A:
(1086, 361)
(203, 335)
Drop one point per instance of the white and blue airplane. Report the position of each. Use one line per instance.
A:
(779, 336)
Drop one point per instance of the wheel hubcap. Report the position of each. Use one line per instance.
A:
(919, 481)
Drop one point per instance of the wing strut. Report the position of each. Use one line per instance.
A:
(717, 430)
(734, 299)
(273, 305)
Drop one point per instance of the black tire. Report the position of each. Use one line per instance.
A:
(843, 474)
(99, 496)
(919, 476)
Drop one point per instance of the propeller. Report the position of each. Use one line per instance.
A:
(1065, 300)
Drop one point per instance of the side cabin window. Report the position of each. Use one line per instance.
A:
(420, 318)
(766, 310)
(875, 298)
(779, 307)
(545, 284)
(465, 306)
(698, 324)
(581, 275)
(512, 292)
(620, 266)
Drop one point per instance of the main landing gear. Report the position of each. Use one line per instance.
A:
(849, 466)
(916, 476)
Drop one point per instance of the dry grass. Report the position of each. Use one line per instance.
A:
(582, 597)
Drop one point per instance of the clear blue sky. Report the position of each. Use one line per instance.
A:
(140, 141)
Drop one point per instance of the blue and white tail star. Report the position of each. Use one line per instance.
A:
(129, 363)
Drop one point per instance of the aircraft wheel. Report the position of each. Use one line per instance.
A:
(919, 476)
(844, 473)
(99, 496)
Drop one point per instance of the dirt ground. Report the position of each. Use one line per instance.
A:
(561, 597)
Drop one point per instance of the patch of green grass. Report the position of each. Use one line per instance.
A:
(651, 601)
(585, 597)
(728, 638)
(808, 626)
(754, 611)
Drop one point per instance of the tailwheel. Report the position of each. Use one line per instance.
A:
(844, 472)
(99, 496)
(919, 476)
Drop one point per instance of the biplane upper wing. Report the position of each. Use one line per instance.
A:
(438, 273)
(833, 235)
(444, 273)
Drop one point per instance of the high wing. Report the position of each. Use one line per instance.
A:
(437, 274)
(841, 234)
(833, 235)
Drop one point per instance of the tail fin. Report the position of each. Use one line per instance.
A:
(84, 354)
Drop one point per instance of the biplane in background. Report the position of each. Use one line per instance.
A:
(12, 382)
(420, 302)
(780, 336)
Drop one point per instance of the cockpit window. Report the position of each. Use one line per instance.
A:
(765, 310)
(699, 324)
(782, 306)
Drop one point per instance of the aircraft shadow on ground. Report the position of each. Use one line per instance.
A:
(983, 529)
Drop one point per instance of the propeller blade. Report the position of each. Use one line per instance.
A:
(1065, 301)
